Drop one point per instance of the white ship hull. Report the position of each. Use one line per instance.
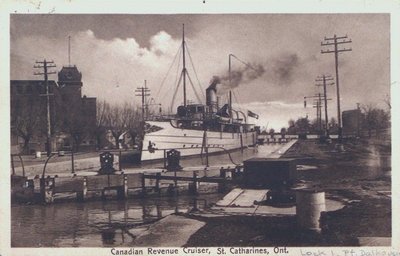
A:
(189, 142)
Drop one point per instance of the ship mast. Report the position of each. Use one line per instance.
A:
(184, 65)
(230, 88)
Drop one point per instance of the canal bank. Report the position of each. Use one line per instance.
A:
(118, 223)
(357, 178)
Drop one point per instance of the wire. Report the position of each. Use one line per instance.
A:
(194, 70)
(194, 89)
(176, 91)
(177, 74)
(169, 69)
(247, 64)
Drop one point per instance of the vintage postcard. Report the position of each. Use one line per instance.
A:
(199, 128)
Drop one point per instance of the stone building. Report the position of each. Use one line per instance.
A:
(72, 117)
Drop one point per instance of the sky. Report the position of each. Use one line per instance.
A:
(116, 53)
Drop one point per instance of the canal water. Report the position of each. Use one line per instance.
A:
(109, 223)
(224, 158)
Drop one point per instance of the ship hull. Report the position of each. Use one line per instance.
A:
(190, 142)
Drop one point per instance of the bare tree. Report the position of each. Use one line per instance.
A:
(26, 120)
(375, 119)
(102, 115)
(121, 119)
(75, 124)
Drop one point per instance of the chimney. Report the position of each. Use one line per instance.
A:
(211, 96)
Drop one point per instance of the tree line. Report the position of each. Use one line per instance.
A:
(372, 121)
(117, 119)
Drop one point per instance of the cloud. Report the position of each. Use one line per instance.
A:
(104, 63)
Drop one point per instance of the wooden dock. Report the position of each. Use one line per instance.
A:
(46, 189)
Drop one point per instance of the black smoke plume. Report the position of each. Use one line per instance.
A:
(238, 77)
(284, 67)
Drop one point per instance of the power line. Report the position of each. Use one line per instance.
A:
(324, 79)
(143, 92)
(46, 65)
(335, 41)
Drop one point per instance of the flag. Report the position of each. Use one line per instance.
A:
(252, 114)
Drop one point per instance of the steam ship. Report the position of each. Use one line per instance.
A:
(197, 129)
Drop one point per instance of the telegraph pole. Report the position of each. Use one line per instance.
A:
(45, 65)
(143, 92)
(335, 41)
(324, 79)
(317, 105)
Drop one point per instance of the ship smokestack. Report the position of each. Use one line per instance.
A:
(211, 95)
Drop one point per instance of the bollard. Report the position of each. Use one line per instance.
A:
(309, 205)
(158, 176)
(82, 195)
(122, 192)
(47, 190)
(143, 185)
(221, 185)
(194, 184)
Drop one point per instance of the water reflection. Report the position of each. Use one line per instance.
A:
(110, 223)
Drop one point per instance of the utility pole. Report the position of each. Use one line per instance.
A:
(335, 41)
(317, 105)
(45, 65)
(143, 92)
(324, 79)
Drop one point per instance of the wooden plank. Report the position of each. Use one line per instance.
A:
(68, 184)
(134, 180)
(180, 178)
(104, 181)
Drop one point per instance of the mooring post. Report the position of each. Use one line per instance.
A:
(165, 159)
(125, 186)
(143, 185)
(72, 161)
(119, 161)
(47, 190)
(122, 192)
(221, 184)
(158, 176)
(194, 187)
(81, 196)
